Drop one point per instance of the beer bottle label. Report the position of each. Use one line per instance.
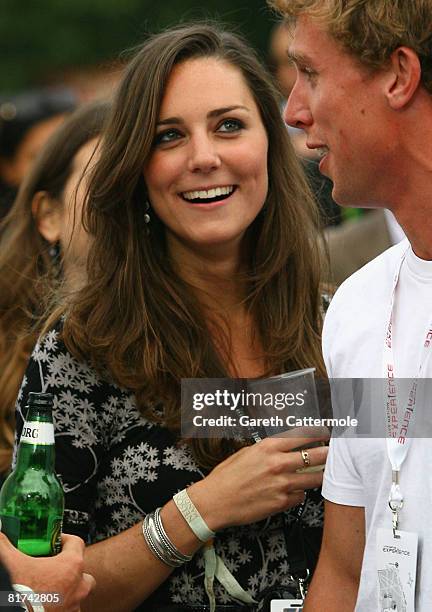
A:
(56, 534)
(37, 432)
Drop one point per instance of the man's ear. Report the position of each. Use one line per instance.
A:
(405, 79)
(47, 215)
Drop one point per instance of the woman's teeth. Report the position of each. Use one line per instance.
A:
(208, 194)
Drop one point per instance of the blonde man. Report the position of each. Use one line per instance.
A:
(363, 96)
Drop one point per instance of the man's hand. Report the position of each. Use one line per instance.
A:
(62, 574)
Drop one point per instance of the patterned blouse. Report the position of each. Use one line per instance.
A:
(116, 466)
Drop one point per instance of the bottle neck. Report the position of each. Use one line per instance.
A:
(36, 448)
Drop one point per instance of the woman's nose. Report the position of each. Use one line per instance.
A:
(204, 156)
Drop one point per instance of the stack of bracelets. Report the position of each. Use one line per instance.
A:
(159, 543)
(158, 540)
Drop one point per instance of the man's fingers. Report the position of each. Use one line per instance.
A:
(83, 589)
(71, 543)
(90, 582)
(8, 553)
(4, 541)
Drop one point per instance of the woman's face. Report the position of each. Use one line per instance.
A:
(73, 237)
(207, 175)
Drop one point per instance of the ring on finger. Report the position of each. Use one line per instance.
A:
(305, 457)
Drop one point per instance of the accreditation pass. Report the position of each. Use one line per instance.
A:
(397, 570)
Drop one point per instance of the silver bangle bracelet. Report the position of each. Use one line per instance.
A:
(166, 541)
(159, 543)
(154, 544)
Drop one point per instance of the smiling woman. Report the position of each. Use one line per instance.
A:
(207, 177)
(204, 262)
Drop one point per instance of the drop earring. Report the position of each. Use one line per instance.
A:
(147, 217)
(54, 253)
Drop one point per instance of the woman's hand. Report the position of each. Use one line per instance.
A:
(258, 481)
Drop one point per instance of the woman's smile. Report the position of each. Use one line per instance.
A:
(209, 155)
(208, 195)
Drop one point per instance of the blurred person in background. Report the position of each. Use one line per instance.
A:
(26, 122)
(284, 72)
(355, 242)
(93, 82)
(37, 251)
(280, 63)
(204, 262)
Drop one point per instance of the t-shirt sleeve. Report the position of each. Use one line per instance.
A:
(342, 481)
(77, 425)
(328, 334)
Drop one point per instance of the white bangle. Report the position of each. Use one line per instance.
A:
(25, 590)
(192, 517)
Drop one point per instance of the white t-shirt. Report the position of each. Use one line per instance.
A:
(396, 232)
(358, 471)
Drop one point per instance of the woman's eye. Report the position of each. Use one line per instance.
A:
(230, 125)
(167, 136)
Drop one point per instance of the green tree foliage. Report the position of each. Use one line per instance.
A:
(38, 37)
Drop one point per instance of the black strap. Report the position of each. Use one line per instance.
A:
(296, 552)
(295, 544)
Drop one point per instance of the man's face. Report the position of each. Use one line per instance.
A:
(342, 107)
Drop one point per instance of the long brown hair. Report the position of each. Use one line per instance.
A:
(27, 270)
(137, 319)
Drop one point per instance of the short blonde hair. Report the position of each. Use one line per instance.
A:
(372, 29)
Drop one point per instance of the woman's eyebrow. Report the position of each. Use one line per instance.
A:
(170, 121)
(213, 113)
(226, 109)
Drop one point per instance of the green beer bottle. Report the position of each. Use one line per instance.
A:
(32, 499)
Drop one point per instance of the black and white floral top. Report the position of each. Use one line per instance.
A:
(116, 466)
